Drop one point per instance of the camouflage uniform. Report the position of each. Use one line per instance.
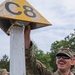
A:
(35, 67)
(58, 73)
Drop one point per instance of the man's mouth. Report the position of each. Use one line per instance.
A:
(61, 62)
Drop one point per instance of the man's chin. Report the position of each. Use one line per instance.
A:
(61, 68)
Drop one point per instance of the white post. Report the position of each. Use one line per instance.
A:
(17, 51)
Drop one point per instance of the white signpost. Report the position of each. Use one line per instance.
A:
(17, 51)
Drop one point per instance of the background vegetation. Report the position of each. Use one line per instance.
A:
(48, 59)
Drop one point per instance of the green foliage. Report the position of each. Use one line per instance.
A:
(68, 42)
(48, 59)
(4, 63)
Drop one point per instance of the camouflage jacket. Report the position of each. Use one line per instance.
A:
(34, 66)
(57, 73)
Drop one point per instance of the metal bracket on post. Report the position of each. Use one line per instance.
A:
(17, 51)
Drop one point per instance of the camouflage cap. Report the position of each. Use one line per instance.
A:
(3, 71)
(65, 51)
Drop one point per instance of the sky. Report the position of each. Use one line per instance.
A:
(60, 13)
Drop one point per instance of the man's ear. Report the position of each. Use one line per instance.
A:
(72, 62)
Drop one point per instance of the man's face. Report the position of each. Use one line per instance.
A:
(63, 62)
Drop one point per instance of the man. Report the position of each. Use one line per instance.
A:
(35, 67)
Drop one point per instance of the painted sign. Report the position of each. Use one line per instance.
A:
(21, 10)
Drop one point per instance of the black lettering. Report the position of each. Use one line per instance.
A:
(9, 10)
(29, 10)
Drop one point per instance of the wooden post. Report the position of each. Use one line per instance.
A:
(17, 51)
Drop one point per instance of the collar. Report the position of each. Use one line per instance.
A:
(60, 74)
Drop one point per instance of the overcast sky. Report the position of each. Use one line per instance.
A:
(60, 13)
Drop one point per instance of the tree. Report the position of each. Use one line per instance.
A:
(4, 63)
(42, 57)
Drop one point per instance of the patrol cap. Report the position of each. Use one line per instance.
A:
(65, 51)
(3, 71)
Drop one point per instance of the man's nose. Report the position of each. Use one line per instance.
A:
(61, 58)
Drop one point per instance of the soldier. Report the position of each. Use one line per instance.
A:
(4, 72)
(73, 59)
(35, 67)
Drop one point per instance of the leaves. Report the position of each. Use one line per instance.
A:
(4, 63)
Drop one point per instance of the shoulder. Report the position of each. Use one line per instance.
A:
(39, 64)
(56, 73)
(43, 69)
